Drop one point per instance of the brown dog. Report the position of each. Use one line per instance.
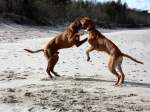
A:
(66, 39)
(100, 43)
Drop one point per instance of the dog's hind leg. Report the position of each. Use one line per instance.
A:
(48, 69)
(46, 54)
(120, 70)
(51, 64)
(112, 67)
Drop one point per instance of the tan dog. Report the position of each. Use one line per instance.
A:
(66, 39)
(100, 43)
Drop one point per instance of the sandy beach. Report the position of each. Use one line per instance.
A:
(83, 86)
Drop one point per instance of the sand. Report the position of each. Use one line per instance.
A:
(83, 86)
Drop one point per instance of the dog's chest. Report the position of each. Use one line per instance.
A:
(97, 44)
(92, 41)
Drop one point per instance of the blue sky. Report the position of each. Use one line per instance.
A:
(138, 4)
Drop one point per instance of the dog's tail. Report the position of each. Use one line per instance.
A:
(30, 51)
(125, 55)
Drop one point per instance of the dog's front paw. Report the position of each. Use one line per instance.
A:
(88, 59)
(56, 74)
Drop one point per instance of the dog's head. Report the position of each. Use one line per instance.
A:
(87, 23)
(76, 25)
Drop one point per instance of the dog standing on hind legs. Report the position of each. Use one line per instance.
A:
(66, 39)
(100, 43)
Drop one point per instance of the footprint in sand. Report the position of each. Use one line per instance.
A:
(76, 68)
(111, 109)
(132, 94)
(65, 71)
(10, 90)
(40, 68)
(145, 100)
(133, 71)
(77, 74)
(26, 75)
(128, 74)
(45, 79)
(49, 79)
(11, 99)
(29, 94)
(30, 109)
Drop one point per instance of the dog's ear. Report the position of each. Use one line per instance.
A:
(91, 24)
(76, 24)
(87, 18)
(83, 21)
(87, 23)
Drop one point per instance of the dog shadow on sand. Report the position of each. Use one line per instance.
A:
(126, 83)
